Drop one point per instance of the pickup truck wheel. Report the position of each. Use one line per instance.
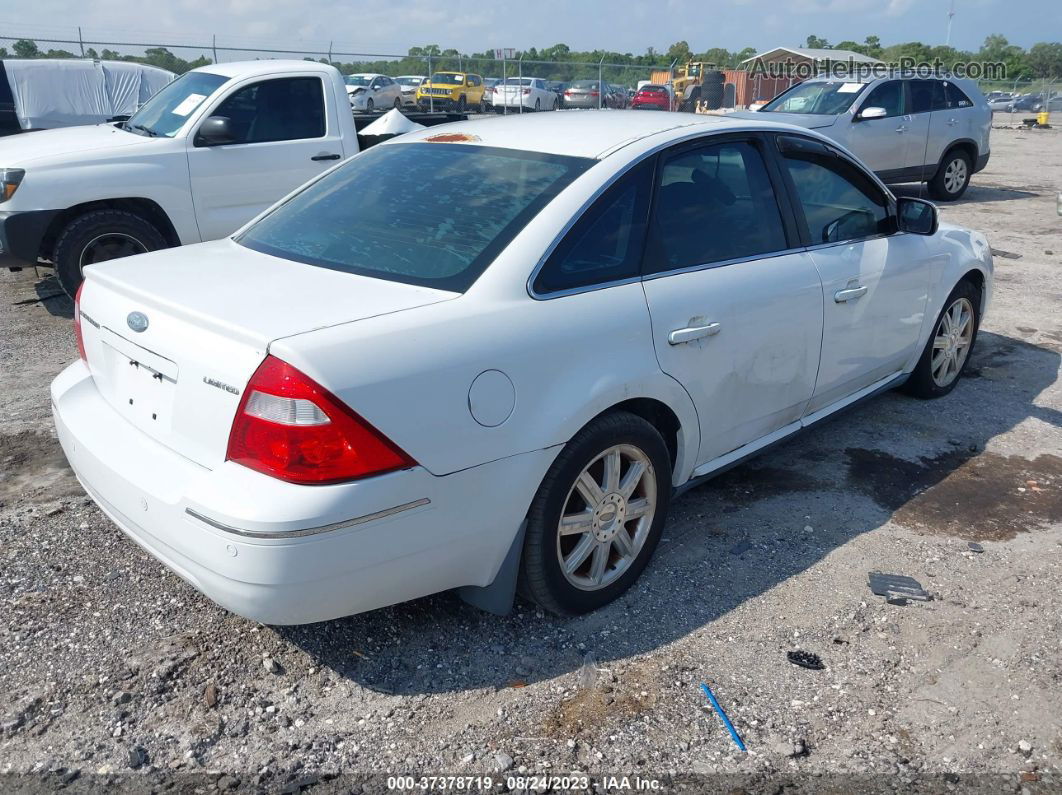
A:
(597, 517)
(98, 236)
(953, 176)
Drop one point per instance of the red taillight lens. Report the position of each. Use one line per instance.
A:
(290, 427)
(527, 90)
(78, 334)
(594, 94)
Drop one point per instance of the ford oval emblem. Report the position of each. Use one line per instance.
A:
(137, 321)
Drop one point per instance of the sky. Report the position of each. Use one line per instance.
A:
(392, 26)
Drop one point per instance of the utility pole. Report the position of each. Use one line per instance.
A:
(951, 14)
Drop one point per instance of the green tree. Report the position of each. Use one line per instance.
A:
(815, 43)
(1045, 59)
(679, 51)
(26, 48)
(873, 46)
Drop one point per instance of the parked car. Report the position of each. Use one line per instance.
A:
(409, 84)
(373, 92)
(198, 160)
(934, 130)
(451, 90)
(318, 400)
(488, 90)
(1029, 103)
(588, 94)
(652, 97)
(46, 93)
(531, 93)
(1004, 103)
(616, 96)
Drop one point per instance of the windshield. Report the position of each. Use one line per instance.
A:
(819, 98)
(167, 111)
(430, 214)
(447, 77)
(408, 81)
(357, 80)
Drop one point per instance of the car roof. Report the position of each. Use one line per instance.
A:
(582, 133)
(265, 67)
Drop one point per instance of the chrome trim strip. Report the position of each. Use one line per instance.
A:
(309, 531)
(90, 320)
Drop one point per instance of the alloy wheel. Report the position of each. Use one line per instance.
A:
(951, 342)
(606, 517)
(955, 175)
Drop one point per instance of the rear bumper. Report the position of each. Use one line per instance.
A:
(982, 161)
(279, 553)
(21, 234)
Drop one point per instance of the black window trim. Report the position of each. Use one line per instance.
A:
(256, 81)
(761, 141)
(790, 188)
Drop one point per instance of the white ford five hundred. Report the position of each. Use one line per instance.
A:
(486, 358)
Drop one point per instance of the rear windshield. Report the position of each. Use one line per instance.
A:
(819, 98)
(585, 84)
(653, 89)
(430, 214)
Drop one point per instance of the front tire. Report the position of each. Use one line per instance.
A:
(538, 105)
(597, 517)
(99, 236)
(953, 176)
(370, 106)
(398, 103)
(948, 349)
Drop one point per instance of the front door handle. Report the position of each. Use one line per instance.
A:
(326, 156)
(849, 294)
(902, 128)
(693, 332)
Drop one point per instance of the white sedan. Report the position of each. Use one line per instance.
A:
(409, 84)
(530, 92)
(373, 92)
(380, 390)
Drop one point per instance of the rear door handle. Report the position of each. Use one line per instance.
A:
(902, 128)
(849, 294)
(952, 122)
(691, 333)
(325, 156)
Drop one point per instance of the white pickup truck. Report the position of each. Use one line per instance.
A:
(198, 160)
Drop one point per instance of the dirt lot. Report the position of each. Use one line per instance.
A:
(114, 670)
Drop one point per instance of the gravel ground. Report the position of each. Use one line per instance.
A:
(115, 672)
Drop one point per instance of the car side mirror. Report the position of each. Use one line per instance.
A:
(916, 216)
(871, 113)
(215, 131)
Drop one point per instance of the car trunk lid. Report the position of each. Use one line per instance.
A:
(173, 337)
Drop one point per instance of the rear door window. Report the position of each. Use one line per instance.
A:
(926, 96)
(713, 203)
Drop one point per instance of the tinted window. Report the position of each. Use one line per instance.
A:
(956, 97)
(888, 95)
(713, 204)
(606, 243)
(839, 201)
(926, 96)
(421, 213)
(285, 109)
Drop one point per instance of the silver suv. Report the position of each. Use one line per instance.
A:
(907, 129)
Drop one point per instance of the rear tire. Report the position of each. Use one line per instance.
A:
(953, 176)
(98, 236)
(932, 376)
(623, 521)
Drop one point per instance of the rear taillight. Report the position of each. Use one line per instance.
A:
(594, 94)
(527, 91)
(78, 334)
(290, 427)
